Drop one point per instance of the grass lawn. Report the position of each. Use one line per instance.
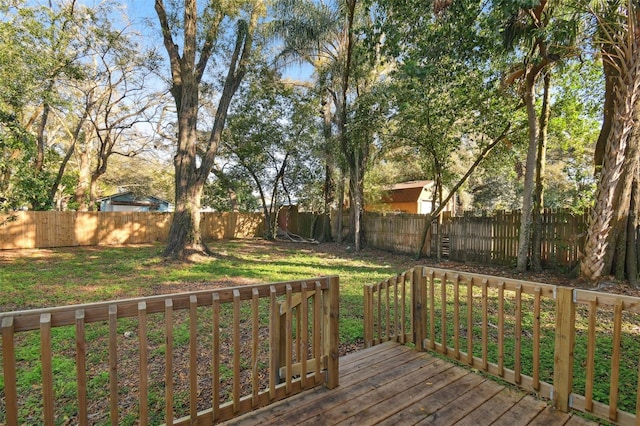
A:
(64, 276)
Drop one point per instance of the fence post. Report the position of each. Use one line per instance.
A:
(368, 316)
(563, 353)
(419, 308)
(331, 309)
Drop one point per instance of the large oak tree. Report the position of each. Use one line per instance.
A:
(201, 32)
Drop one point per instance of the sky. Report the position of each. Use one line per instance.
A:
(142, 14)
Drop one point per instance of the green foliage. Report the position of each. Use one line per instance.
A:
(270, 141)
(20, 185)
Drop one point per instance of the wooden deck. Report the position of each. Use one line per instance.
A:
(391, 384)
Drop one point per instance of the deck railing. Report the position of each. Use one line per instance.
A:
(578, 348)
(190, 358)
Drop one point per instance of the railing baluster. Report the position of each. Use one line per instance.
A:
(317, 320)
(274, 342)
(403, 311)
(331, 307)
(432, 312)
(396, 332)
(638, 397)
(288, 340)
(47, 368)
(215, 361)
(387, 285)
(443, 312)
(501, 329)
(485, 325)
(518, 338)
(113, 363)
(236, 350)
(536, 338)
(456, 315)
(255, 343)
(470, 322)
(591, 352)
(193, 357)
(368, 316)
(615, 360)
(144, 368)
(379, 323)
(81, 368)
(9, 371)
(168, 353)
(298, 331)
(304, 336)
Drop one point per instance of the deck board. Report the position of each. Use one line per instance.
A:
(391, 384)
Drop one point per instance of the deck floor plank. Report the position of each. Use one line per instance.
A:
(426, 406)
(391, 384)
(457, 409)
(492, 409)
(521, 413)
(340, 399)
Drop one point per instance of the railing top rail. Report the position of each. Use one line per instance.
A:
(66, 315)
(547, 290)
(631, 303)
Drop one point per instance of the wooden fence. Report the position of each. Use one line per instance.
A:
(479, 238)
(576, 347)
(469, 238)
(190, 358)
(61, 229)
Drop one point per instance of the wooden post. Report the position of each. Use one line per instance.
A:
(564, 342)
(331, 309)
(368, 316)
(419, 308)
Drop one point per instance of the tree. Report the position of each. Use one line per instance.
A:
(117, 104)
(446, 92)
(201, 33)
(611, 239)
(53, 63)
(313, 32)
(544, 39)
(271, 137)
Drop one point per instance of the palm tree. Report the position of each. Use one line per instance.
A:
(323, 36)
(611, 240)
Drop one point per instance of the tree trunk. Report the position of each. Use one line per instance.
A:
(426, 230)
(84, 177)
(328, 188)
(538, 198)
(356, 190)
(187, 70)
(340, 213)
(184, 234)
(527, 195)
(610, 215)
(621, 242)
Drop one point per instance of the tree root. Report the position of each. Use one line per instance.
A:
(288, 236)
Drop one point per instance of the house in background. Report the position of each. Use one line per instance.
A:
(410, 197)
(128, 202)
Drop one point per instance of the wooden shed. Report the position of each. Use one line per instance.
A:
(409, 197)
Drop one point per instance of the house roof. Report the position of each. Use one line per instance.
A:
(406, 191)
(132, 199)
(410, 185)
